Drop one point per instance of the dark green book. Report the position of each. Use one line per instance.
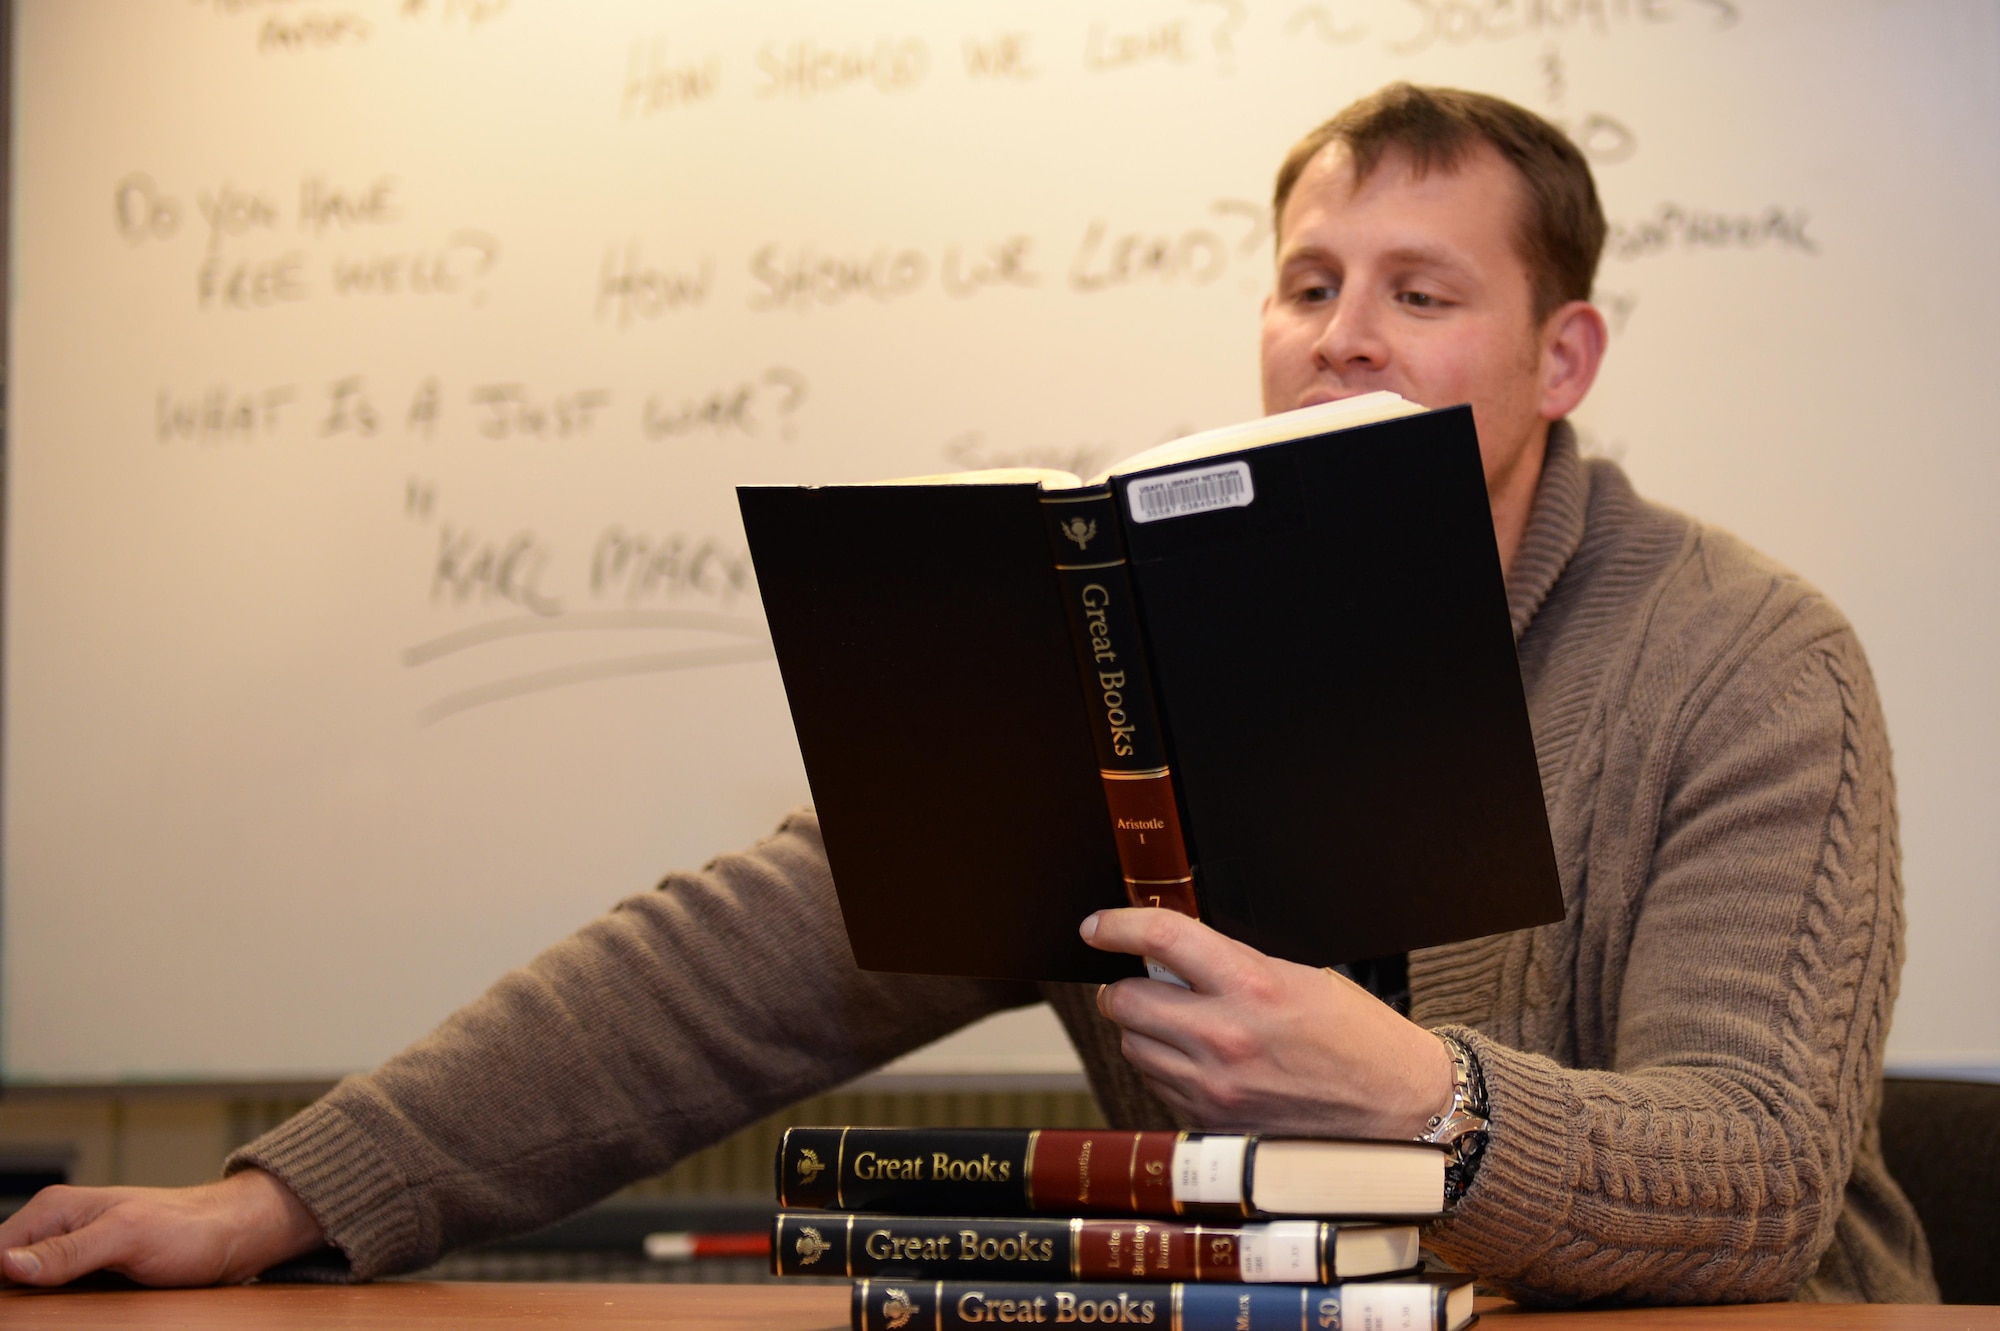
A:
(818, 1243)
(1106, 1172)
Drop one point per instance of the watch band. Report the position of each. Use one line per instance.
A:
(1463, 1126)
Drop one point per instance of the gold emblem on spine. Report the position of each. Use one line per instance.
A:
(810, 1166)
(810, 1246)
(897, 1309)
(1081, 530)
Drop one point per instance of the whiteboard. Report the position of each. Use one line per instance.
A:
(376, 608)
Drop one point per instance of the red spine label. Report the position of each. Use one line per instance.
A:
(1140, 1250)
(1102, 1173)
(1151, 851)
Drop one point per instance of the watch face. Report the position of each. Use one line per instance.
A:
(1457, 1125)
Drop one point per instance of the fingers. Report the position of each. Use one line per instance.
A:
(1161, 1012)
(224, 1231)
(50, 1211)
(1193, 1083)
(59, 1235)
(1156, 1060)
(1198, 954)
(54, 1261)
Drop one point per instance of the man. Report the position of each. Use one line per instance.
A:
(1681, 1078)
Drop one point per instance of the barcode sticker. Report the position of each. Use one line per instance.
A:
(1286, 1252)
(1176, 494)
(1392, 1306)
(1210, 1169)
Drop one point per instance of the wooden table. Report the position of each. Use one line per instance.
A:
(501, 1307)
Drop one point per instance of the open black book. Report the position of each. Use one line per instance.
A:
(1318, 613)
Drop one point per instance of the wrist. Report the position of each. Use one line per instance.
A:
(1443, 1080)
(272, 1224)
(1432, 1086)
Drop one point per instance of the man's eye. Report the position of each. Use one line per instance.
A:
(1422, 300)
(1315, 294)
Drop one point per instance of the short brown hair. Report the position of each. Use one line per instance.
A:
(1562, 229)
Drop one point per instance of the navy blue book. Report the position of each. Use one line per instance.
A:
(1421, 1303)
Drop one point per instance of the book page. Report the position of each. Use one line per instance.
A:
(1345, 414)
(1045, 477)
(1342, 415)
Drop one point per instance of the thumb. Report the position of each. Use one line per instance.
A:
(61, 1258)
(1198, 956)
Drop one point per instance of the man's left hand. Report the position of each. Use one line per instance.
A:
(1263, 1045)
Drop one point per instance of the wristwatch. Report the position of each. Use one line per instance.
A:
(1463, 1126)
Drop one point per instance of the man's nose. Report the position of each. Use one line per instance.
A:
(1352, 337)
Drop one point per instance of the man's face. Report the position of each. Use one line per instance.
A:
(1411, 284)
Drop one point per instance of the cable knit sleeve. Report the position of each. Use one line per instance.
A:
(656, 1030)
(1742, 915)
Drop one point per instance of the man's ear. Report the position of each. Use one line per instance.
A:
(1573, 342)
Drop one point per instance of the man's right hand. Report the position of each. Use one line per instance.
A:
(216, 1234)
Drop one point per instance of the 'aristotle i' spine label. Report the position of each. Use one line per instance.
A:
(1103, 618)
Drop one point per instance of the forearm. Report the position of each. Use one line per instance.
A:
(1732, 1012)
(656, 1030)
(1672, 1186)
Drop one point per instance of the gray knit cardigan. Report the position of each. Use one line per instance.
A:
(1684, 1074)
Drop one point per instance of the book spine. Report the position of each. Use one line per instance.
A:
(1103, 618)
(889, 1305)
(1010, 1171)
(976, 1248)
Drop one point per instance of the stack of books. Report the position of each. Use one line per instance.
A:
(961, 1227)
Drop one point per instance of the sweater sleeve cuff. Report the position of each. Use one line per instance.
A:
(1518, 1203)
(342, 1177)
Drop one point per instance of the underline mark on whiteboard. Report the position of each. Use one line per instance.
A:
(591, 671)
(479, 634)
(585, 672)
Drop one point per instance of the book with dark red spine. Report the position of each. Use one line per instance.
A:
(1090, 1172)
(1418, 1303)
(1103, 616)
(816, 1243)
